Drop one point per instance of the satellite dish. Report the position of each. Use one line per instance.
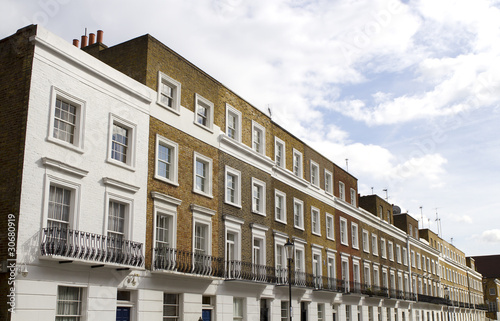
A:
(396, 210)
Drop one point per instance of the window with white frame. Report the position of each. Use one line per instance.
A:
(204, 112)
(284, 310)
(69, 303)
(418, 262)
(315, 221)
(279, 152)
(233, 245)
(328, 182)
(385, 280)
(314, 174)
(366, 242)
(383, 249)
(259, 250)
(356, 274)
(300, 263)
(60, 210)
(321, 312)
(343, 231)
(344, 266)
(118, 213)
(376, 277)
(405, 256)
(202, 175)
(169, 92)
(330, 231)
(279, 206)
(258, 196)
(412, 258)
(424, 268)
(331, 269)
(166, 160)
(122, 141)
(410, 228)
(355, 235)
(233, 123)
(366, 274)
(316, 266)
(201, 238)
(164, 231)
(233, 186)
(353, 197)
(374, 245)
(298, 214)
(297, 163)
(170, 307)
(67, 120)
(237, 309)
(390, 248)
(258, 138)
(342, 191)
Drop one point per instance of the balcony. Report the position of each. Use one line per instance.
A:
(433, 299)
(83, 246)
(168, 259)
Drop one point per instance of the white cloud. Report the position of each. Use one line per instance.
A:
(491, 236)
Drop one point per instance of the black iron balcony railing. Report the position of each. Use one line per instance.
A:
(73, 244)
(482, 307)
(433, 299)
(169, 259)
(380, 291)
(410, 296)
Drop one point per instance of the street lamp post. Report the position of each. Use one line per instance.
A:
(289, 246)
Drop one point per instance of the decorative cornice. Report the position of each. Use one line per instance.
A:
(245, 153)
(166, 198)
(202, 210)
(259, 227)
(118, 184)
(50, 162)
(233, 219)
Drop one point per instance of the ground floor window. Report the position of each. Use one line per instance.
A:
(284, 310)
(170, 307)
(69, 303)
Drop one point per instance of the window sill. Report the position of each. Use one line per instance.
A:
(165, 180)
(120, 164)
(280, 221)
(330, 238)
(316, 233)
(208, 129)
(259, 213)
(202, 193)
(67, 145)
(233, 204)
(170, 109)
(299, 227)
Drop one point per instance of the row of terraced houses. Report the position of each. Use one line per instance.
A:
(141, 188)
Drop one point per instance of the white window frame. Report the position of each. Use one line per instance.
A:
(239, 302)
(344, 274)
(390, 250)
(344, 236)
(418, 262)
(383, 248)
(279, 142)
(413, 260)
(354, 235)
(398, 253)
(82, 301)
(366, 241)
(405, 256)
(173, 179)
(176, 92)
(132, 129)
(280, 265)
(374, 245)
(299, 260)
(316, 251)
(301, 214)
(262, 147)
(277, 194)
(259, 233)
(166, 206)
(330, 230)
(315, 212)
(353, 197)
(328, 182)
(237, 188)
(314, 173)
(75, 188)
(238, 117)
(129, 214)
(342, 191)
(300, 166)
(262, 200)
(208, 161)
(331, 267)
(202, 216)
(367, 276)
(376, 276)
(200, 101)
(78, 138)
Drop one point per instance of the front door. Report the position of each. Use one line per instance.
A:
(206, 315)
(264, 310)
(303, 311)
(122, 314)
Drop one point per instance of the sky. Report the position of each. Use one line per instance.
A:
(408, 92)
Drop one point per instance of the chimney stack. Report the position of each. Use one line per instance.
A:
(84, 41)
(76, 42)
(99, 35)
(91, 39)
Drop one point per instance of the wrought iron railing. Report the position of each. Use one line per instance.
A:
(169, 259)
(433, 299)
(73, 244)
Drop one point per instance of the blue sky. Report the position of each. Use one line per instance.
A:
(407, 91)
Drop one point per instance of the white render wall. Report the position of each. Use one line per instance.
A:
(58, 64)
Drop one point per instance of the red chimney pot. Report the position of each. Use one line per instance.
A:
(99, 35)
(91, 38)
(76, 42)
(84, 41)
